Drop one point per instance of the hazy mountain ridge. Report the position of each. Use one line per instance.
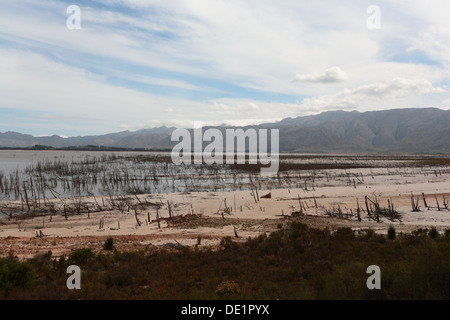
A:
(397, 130)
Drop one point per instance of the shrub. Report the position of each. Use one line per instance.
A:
(296, 230)
(366, 233)
(15, 274)
(345, 233)
(109, 244)
(228, 244)
(81, 256)
(42, 257)
(433, 233)
(447, 233)
(291, 264)
(391, 233)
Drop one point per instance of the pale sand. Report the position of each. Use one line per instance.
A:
(196, 214)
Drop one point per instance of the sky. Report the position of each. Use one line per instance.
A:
(76, 68)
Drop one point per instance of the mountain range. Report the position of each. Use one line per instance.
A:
(414, 130)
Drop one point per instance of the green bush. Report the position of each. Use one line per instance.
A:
(433, 233)
(293, 263)
(345, 233)
(81, 256)
(42, 257)
(109, 244)
(15, 274)
(228, 244)
(391, 234)
(368, 233)
(447, 233)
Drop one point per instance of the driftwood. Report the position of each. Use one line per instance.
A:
(374, 210)
(267, 196)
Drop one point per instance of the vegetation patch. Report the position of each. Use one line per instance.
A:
(294, 262)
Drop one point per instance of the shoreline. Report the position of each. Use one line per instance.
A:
(200, 216)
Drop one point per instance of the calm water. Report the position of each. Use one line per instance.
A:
(78, 173)
(85, 173)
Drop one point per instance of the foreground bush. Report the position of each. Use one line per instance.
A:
(391, 233)
(109, 244)
(295, 262)
(14, 275)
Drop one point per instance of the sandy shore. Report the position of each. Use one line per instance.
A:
(197, 217)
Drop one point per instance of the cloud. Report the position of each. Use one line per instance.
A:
(434, 42)
(234, 107)
(354, 98)
(138, 62)
(331, 75)
(428, 29)
(63, 97)
(163, 82)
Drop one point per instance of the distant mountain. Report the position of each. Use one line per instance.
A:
(425, 130)
(398, 130)
(155, 138)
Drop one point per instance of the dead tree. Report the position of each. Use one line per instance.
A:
(424, 200)
(414, 205)
(301, 207)
(254, 195)
(358, 210)
(170, 209)
(369, 212)
(437, 203)
(157, 217)
(139, 223)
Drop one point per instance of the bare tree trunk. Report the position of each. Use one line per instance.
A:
(437, 202)
(358, 210)
(424, 200)
(170, 209)
(157, 217)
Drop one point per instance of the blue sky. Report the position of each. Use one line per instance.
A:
(137, 64)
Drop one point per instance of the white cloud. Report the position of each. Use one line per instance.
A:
(358, 97)
(428, 28)
(242, 53)
(163, 82)
(80, 100)
(331, 75)
(434, 42)
(234, 107)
